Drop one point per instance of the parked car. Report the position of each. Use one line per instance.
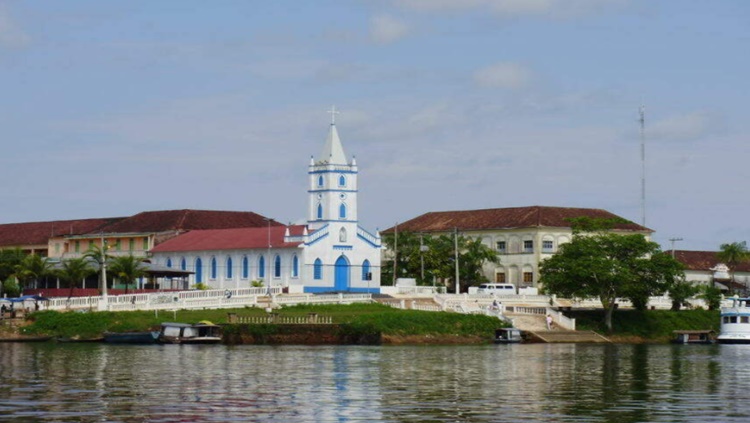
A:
(497, 288)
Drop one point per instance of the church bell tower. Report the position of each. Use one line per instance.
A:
(333, 185)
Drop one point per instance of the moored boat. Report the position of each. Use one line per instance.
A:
(508, 336)
(185, 333)
(735, 322)
(149, 337)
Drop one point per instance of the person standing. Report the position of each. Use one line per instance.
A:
(549, 322)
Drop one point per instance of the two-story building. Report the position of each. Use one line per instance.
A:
(522, 236)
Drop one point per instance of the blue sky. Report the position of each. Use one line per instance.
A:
(112, 108)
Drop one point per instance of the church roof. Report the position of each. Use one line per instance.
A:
(39, 233)
(180, 220)
(704, 260)
(230, 239)
(333, 151)
(506, 218)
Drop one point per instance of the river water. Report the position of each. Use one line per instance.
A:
(488, 383)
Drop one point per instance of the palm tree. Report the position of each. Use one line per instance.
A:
(127, 269)
(99, 255)
(32, 268)
(74, 271)
(9, 261)
(732, 255)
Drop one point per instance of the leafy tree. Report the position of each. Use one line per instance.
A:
(680, 292)
(9, 261)
(711, 295)
(438, 257)
(11, 288)
(74, 271)
(127, 269)
(733, 254)
(608, 266)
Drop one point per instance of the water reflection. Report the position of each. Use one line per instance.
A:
(506, 383)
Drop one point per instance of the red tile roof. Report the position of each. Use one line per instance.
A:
(703, 260)
(506, 218)
(230, 239)
(181, 220)
(39, 233)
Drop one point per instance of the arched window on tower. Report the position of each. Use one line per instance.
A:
(320, 211)
(342, 235)
(342, 181)
(342, 211)
(318, 269)
(320, 180)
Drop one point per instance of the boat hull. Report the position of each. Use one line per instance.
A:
(131, 337)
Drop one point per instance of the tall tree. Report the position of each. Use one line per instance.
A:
(74, 271)
(127, 269)
(732, 255)
(608, 266)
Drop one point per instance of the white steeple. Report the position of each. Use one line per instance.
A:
(333, 151)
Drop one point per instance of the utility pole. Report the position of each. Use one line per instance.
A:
(673, 240)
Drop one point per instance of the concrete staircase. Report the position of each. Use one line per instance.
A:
(535, 330)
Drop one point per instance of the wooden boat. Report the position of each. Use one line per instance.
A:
(693, 337)
(149, 337)
(185, 333)
(508, 336)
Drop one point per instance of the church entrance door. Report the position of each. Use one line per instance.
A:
(341, 278)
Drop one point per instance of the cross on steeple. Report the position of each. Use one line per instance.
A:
(333, 113)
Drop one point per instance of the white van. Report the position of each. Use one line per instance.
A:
(497, 288)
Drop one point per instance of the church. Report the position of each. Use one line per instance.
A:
(331, 252)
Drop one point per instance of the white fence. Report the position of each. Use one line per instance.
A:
(208, 299)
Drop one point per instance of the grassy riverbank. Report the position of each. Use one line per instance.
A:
(646, 326)
(395, 325)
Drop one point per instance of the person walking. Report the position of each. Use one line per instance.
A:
(549, 322)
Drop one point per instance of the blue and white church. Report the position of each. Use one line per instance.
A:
(331, 252)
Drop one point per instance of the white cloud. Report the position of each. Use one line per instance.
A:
(503, 75)
(11, 36)
(686, 127)
(386, 29)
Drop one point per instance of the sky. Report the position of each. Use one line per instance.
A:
(113, 108)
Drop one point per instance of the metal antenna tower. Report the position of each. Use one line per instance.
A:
(642, 120)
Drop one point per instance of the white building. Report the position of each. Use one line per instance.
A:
(330, 253)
